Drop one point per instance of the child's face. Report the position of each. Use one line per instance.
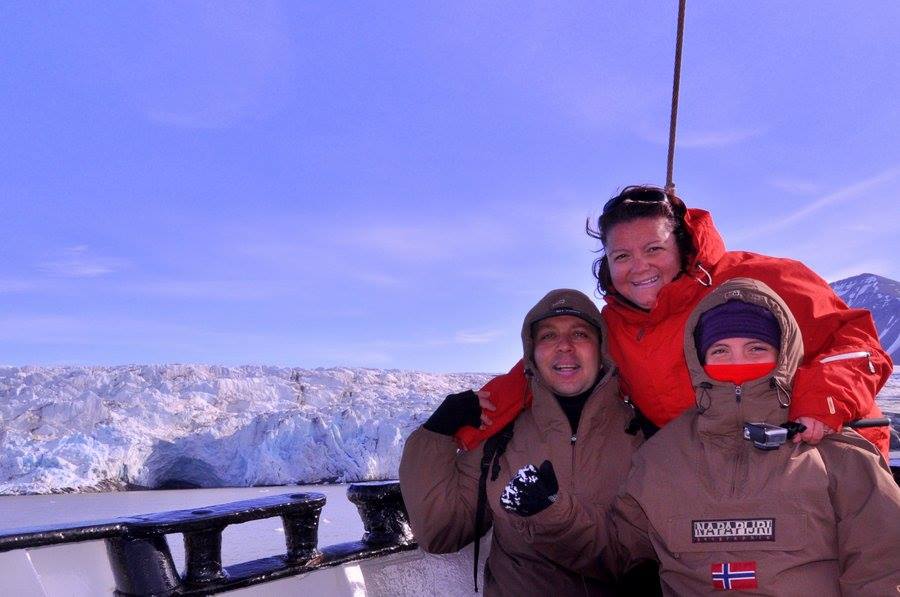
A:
(740, 351)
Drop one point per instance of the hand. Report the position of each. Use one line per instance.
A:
(815, 431)
(530, 490)
(485, 405)
(456, 411)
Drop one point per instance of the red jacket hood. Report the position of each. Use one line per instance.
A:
(708, 243)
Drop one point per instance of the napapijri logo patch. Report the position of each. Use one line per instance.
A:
(738, 529)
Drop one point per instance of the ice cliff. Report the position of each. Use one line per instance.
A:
(88, 428)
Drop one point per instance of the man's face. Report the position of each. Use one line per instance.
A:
(567, 354)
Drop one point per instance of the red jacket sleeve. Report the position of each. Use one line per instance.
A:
(844, 365)
(511, 394)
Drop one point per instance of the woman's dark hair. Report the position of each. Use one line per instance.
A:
(634, 203)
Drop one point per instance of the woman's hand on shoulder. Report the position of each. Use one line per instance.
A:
(815, 431)
(456, 411)
(486, 405)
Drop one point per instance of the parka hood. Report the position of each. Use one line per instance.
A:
(724, 406)
(708, 244)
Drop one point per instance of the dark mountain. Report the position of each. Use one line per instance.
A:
(881, 296)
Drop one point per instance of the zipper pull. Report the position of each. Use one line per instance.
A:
(573, 438)
(737, 392)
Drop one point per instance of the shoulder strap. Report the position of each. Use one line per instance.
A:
(494, 447)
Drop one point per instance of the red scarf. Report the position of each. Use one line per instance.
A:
(738, 374)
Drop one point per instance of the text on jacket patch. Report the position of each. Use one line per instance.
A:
(739, 529)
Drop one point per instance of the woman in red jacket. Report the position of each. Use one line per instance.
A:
(660, 259)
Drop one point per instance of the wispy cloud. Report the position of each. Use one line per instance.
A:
(207, 289)
(104, 333)
(440, 240)
(874, 266)
(618, 99)
(78, 262)
(97, 330)
(379, 279)
(796, 186)
(859, 227)
(417, 243)
(476, 337)
(705, 139)
(400, 241)
(702, 139)
(10, 286)
(358, 357)
(846, 193)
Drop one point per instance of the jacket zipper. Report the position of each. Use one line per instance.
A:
(739, 457)
(738, 460)
(572, 441)
(860, 354)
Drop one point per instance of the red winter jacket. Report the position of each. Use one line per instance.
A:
(647, 346)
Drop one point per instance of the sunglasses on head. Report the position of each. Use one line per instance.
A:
(639, 196)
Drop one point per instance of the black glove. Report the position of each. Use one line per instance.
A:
(456, 411)
(531, 490)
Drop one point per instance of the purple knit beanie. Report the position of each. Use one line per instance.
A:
(735, 319)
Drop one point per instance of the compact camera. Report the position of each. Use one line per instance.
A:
(765, 436)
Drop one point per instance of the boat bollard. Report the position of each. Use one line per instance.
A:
(301, 530)
(142, 565)
(382, 511)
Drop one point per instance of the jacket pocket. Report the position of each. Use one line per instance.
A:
(846, 356)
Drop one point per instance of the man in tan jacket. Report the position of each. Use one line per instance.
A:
(577, 422)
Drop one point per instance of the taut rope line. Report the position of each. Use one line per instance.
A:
(676, 83)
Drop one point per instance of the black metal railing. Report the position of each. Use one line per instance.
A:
(142, 562)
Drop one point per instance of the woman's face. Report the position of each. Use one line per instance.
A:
(643, 257)
(740, 351)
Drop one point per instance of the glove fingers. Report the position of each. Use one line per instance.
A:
(548, 477)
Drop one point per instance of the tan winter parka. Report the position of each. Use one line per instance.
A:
(807, 520)
(440, 484)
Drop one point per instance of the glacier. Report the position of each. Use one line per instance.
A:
(65, 429)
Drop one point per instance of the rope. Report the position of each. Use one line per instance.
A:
(676, 83)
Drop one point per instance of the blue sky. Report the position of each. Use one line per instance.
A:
(395, 185)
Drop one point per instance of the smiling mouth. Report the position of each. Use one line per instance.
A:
(648, 282)
(566, 369)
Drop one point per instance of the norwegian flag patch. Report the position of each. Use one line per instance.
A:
(733, 576)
